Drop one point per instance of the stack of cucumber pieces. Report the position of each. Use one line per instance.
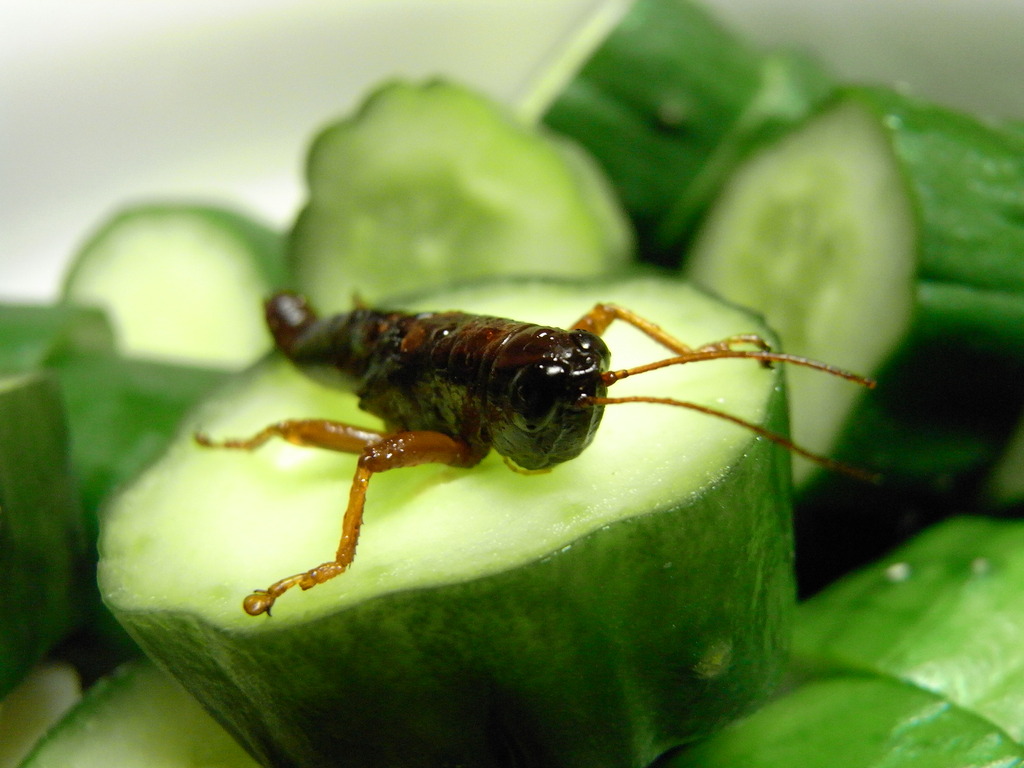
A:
(635, 606)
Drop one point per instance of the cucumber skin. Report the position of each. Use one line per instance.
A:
(948, 620)
(668, 107)
(42, 541)
(548, 664)
(120, 413)
(860, 722)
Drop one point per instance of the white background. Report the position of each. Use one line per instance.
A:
(105, 102)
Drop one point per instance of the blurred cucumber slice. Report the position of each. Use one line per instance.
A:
(137, 718)
(181, 283)
(632, 599)
(885, 236)
(35, 336)
(42, 544)
(426, 185)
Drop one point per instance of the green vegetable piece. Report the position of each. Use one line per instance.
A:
(1005, 487)
(35, 336)
(41, 539)
(631, 599)
(180, 282)
(852, 722)
(943, 612)
(121, 414)
(431, 184)
(670, 103)
(885, 236)
(138, 718)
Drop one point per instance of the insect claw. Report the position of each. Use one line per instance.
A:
(260, 601)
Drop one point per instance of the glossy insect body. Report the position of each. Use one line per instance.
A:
(451, 386)
(492, 382)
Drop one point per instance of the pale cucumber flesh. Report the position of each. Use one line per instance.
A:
(168, 276)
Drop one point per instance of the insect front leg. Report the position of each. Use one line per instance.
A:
(378, 452)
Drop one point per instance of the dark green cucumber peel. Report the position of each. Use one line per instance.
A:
(168, 273)
(35, 336)
(42, 543)
(121, 413)
(643, 602)
(428, 184)
(670, 103)
(943, 612)
(856, 722)
(137, 717)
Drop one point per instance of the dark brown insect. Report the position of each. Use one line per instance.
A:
(451, 386)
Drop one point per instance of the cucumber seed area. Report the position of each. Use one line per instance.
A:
(204, 527)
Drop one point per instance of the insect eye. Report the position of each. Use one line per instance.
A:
(534, 395)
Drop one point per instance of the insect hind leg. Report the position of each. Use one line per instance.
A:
(602, 315)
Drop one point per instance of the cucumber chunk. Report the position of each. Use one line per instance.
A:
(943, 612)
(670, 102)
(885, 236)
(431, 184)
(168, 274)
(39, 701)
(817, 233)
(632, 599)
(35, 336)
(1005, 487)
(121, 412)
(138, 718)
(856, 722)
(42, 543)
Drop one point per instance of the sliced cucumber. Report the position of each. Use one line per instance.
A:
(42, 543)
(138, 718)
(121, 413)
(39, 701)
(1005, 487)
(35, 336)
(670, 102)
(168, 275)
(431, 184)
(943, 612)
(632, 599)
(856, 722)
(885, 236)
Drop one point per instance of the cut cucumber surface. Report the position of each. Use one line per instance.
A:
(138, 718)
(168, 274)
(431, 184)
(859, 251)
(42, 542)
(627, 601)
(817, 233)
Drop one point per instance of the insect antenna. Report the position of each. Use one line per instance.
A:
(764, 356)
